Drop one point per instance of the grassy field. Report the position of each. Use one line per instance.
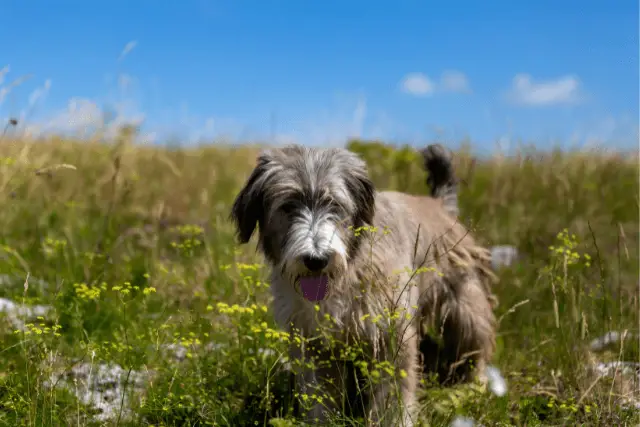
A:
(131, 248)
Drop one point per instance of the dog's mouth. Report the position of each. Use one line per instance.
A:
(314, 288)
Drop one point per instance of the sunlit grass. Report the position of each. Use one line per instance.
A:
(132, 248)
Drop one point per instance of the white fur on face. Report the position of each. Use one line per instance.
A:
(316, 233)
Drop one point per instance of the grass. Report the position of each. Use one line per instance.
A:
(132, 248)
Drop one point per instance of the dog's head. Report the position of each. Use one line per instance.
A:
(306, 203)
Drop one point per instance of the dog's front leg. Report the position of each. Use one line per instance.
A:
(307, 388)
(393, 398)
(306, 383)
(319, 385)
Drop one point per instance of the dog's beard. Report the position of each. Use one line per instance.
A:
(314, 235)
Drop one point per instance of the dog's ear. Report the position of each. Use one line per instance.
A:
(248, 208)
(363, 192)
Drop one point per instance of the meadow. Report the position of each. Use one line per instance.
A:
(128, 252)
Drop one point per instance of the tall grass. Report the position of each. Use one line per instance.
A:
(132, 248)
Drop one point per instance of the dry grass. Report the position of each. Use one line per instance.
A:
(136, 249)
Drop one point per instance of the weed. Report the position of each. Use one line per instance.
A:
(132, 249)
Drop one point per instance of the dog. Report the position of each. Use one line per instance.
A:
(379, 264)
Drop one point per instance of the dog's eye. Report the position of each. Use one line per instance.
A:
(288, 208)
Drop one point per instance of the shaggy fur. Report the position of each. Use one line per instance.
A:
(321, 225)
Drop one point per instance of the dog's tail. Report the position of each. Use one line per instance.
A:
(441, 179)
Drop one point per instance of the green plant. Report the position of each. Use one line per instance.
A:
(133, 251)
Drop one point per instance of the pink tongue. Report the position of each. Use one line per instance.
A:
(314, 288)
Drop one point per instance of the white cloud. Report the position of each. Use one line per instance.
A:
(80, 114)
(338, 121)
(417, 84)
(525, 91)
(127, 49)
(454, 81)
(83, 116)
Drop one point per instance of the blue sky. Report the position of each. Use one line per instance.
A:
(319, 72)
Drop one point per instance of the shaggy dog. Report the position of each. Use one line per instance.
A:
(379, 265)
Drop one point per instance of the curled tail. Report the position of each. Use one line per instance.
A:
(442, 179)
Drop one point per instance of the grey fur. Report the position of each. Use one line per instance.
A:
(307, 202)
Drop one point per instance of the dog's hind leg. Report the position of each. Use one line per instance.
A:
(468, 328)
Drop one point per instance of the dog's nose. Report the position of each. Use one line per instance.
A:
(315, 263)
